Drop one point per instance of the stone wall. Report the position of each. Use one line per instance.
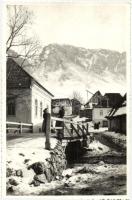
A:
(45, 171)
(53, 169)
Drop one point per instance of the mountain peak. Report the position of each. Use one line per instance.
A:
(68, 68)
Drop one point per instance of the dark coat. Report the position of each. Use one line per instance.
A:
(60, 115)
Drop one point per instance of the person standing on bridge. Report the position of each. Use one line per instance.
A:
(60, 132)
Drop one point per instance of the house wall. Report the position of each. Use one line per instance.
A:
(76, 106)
(40, 95)
(22, 105)
(56, 103)
(123, 124)
(87, 112)
(68, 110)
(118, 124)
(99, 115)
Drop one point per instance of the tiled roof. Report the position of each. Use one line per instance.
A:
(24, 62)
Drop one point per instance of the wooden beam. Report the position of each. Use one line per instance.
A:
(77, 132)
(68, 130)
(81, 129)
(47, 142)
(72, 138)
(63, 120)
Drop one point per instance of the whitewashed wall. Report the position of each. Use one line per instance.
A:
(22, 105)
(97, 117)
(41, 96)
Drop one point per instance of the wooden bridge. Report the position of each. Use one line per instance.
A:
(67, 130)
(71, 130)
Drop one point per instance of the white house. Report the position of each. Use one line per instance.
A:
(99, 114)
(26, 97)
(65, 102)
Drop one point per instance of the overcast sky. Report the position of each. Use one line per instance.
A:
(84, 25)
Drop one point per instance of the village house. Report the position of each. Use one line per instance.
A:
(97, 108)
(26, 97)
(94, 100)
(117, 117)
(71, 106)
(104, 106)
(59, 102)
(113, 99)
(98, 115)
(86, 112)
(76, 106)
(100, 106)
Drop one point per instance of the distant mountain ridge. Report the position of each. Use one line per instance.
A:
(55, 57)
(64, 68)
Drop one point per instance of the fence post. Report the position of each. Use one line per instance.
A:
(47, 131)
(32, 128)
(71, 127)
(84, 142)
(20, 127)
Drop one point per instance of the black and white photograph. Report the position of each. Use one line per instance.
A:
(67, 89)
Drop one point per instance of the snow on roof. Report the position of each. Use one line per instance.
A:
(120, 111)
(111, 112)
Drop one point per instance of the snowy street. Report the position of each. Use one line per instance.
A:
(102, 169)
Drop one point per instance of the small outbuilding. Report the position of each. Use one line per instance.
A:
(117, 118)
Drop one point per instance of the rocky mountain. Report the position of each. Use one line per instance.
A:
(56, 57)
(64, 66)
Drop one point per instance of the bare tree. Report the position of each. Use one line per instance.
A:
(76, 95)
(19, 22)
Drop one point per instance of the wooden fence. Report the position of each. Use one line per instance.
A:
(67, 130)
(18, 127)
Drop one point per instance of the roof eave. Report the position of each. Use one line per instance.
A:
(42, 86)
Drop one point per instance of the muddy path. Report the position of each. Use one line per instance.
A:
(115, 154)
(106, 162)
(105, 179)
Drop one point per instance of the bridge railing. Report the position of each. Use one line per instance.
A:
(70, 128)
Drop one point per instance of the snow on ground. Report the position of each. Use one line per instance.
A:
(116, 135)
(79, 119)
(98, 148)
(22, 152)
(33, 148)
(18, 150)
(116, 138)
(90, 174)
(26, 189)
(90, 125)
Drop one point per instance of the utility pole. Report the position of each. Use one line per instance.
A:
(87, 93)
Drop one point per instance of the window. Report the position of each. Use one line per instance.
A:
(41, 109)
(36, 107)
(105, 123)
(101, 112)
(11, 107)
